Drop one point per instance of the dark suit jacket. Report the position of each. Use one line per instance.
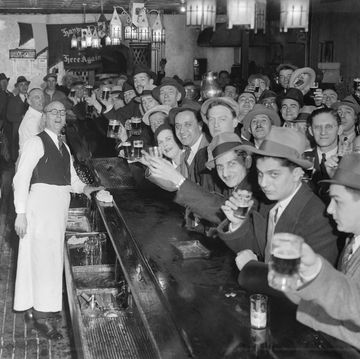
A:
(15, 112)
(305, 216)
(199, 160)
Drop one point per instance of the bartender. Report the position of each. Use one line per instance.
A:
(42, 185)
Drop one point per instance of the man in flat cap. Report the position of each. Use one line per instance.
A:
(51, 93)
(329, 299)
(170, 92)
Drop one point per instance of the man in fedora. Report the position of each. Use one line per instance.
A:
(16, 108)
(51, 93)
(292, 206)
(258, 123)
(329, 299)
(170, 92)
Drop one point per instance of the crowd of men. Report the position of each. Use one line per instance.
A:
(292, 145)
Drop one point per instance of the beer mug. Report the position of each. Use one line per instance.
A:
(105, 93)
(313, 88)
(285, 261)
(245, 197)
(127, 149)
(136, 125)
(113, 128)
(138, 146)
(89, 90)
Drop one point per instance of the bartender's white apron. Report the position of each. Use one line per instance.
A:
(41, 251)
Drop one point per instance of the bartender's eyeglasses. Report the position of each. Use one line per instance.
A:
(55, 112)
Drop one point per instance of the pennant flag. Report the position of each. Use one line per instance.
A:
(36, 32)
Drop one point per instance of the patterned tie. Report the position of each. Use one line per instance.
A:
(61, 144)
(187, 154)
(346, 256)
(272, 220)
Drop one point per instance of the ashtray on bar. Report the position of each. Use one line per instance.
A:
(191, 249)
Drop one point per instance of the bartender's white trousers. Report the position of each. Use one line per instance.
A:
(41, 251)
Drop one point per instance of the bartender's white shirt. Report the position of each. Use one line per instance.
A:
(33, 150)
(30, 126)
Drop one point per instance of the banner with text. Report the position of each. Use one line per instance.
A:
(59, 38)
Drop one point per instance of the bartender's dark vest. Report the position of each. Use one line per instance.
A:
(53, 168)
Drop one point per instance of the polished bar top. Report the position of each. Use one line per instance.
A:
(203, 294)
(209, 309)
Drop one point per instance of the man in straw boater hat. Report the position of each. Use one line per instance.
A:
(294, 207)
(329, 298)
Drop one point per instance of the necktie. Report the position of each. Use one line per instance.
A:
(187, 154)
(346, 256)
(272, 220)
(322, 165)
(61, 144)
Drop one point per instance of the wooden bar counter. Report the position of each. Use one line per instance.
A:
(195, 307)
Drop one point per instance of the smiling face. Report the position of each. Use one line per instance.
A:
(325, 130)
(36, 99)
(167, 144)
(187, 128)
(260, 126)
(230, 168)
(348, 118)
(55, 117)
(344, 207)
(277, 181)
(142, 81)
(289, 109)
(148, 102)
(221, 120)
(230, 91)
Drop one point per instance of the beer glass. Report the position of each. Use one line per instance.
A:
(313, 88)
(258, 311)
(113, 128)
(105, 93)
(72, 93)
(285, 261)
(138, 146)
(89, 90)
(127, 149)
(308, 173)
(136, 125)
(245, 197)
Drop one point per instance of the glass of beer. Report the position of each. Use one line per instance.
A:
(105, 93)
(127, 149)
(285, 261)
(89, 90)
(138, 146)
(245, 197)
(313, 88)
(258, 311)
(113, 128)
(308, 173)
(136, 125)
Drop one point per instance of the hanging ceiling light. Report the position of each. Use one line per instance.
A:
(158, 31)
(143, 26)
(251, 13)
(294, 14)
(201, 13)
(115, 28)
